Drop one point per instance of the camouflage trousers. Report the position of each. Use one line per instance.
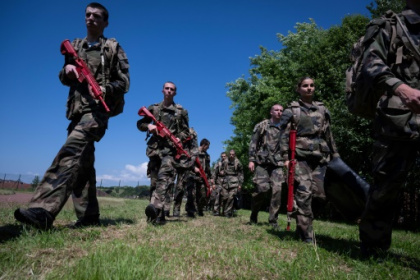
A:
(185, 182)
(268, 181)
(217, 199)
(152, 172)
(212, 199)
(309, 177)
(200, 196)
(227, 197)
(72, 171)
(391, 162)
(161, 196)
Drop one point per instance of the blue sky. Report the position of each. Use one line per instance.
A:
(199, 45)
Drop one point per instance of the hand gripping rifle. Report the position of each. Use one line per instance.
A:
(163, 131)
(291, 173)
(84, 72)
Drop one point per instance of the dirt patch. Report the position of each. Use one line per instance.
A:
(20, 198)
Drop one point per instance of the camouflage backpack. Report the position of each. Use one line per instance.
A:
(361, 96)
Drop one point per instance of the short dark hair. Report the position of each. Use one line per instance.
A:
(96, 5)
(169, 82)
(204, 141)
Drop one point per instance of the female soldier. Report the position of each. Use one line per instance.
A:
(314, 149)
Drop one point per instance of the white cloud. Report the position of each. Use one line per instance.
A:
(130, 176)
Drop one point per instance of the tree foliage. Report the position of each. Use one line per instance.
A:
(381, 6)
(35, 182)
(317, 53)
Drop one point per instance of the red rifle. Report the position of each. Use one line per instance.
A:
(84, 72)
(291, 173)
(203, 175)
(163, 131)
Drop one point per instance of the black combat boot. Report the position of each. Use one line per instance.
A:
(92, 220)
(160, 220)
(151, 213)
(36, 217)
(254, 218)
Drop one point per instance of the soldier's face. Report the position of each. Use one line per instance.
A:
(224, 156)
(206, 147)
(276, 111)
(306, 89)
(94, 20)
(231, 155)
(169, 90)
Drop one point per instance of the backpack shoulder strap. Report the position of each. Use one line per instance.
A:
(111, 46)
(402, 32)
(296, 112)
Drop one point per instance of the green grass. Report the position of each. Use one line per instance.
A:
(126, 247)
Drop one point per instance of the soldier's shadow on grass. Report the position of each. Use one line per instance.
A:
(113, 222)
(9, 232)
(351, 248)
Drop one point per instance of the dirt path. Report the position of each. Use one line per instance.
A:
(16, 198)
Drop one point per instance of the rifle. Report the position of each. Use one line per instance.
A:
(164, 132)
(203, 175)
(84, 72)
(291, 173)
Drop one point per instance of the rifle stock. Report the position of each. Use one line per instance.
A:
(291, 175)
(163, 131)
(84, 72)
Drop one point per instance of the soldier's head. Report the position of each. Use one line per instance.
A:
(306, 87)
(204, 144)
(232, 155)
(276, 112)
(96, 18)
(223, 156)
(169, 89)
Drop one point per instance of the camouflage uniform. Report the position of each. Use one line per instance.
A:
(72, 171)
(396, 128)
(234, 179)
(201, 188)
(314, 148)
(218, 177)
(175, 118)
(268, 175)
(186, 178)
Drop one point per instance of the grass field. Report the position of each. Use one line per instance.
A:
(126, 247)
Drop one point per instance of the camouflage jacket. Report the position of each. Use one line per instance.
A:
(234, 174)
(218, 173)
(114, 76)
(383, 70)
(175, 118)
(264, 145)
(204, 159)
(314, 141)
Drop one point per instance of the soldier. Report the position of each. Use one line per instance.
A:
(315, 147)
(201, 188)
(396, 125)
(72, 170)
(217, 180)
(232, 182)
(266, 164)
(186, 178)
(161, 151)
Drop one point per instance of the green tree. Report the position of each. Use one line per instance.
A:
(35, 182)
(379, 7)
(310, 51)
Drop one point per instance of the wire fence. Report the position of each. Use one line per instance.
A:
(17, 179)
(8, 180)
